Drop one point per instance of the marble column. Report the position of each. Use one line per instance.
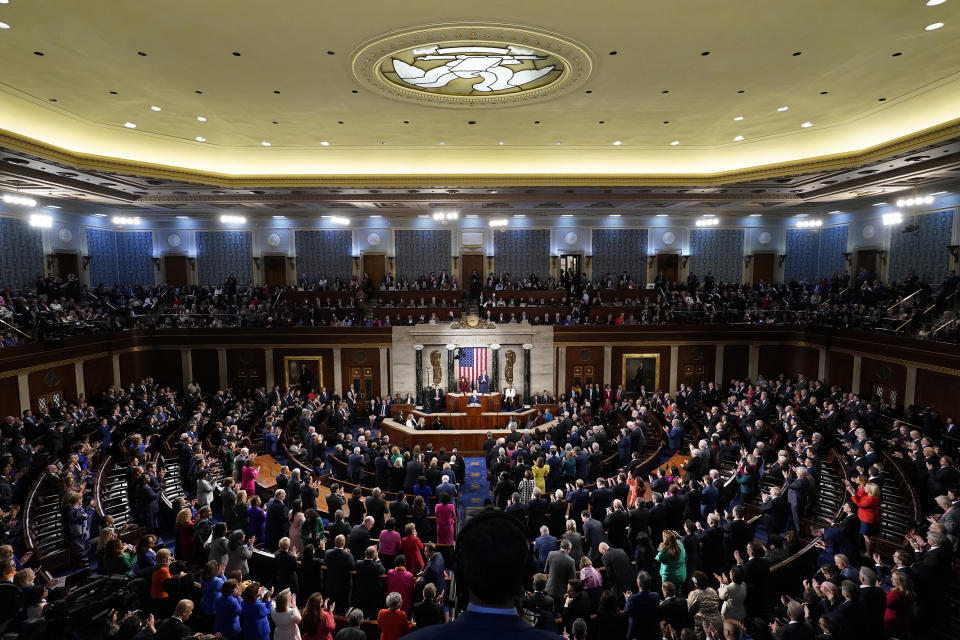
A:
(418, 348)
(910, 393)
(608, 366)
(527, 349)
(718, 367)
(561, 382)
(222, 366)
(186, 369)
(116, 370)
(451, 381)
(753, 362)
(268, 372)
(337, 373)
(23, 386)
(78, 376)
(855, 383)
(674, 367)
(384, 373)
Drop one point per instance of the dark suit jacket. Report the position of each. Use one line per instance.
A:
(173, 629)
(873, 605)
(797, 631)
(620, 571)
(359, 541)
(483, 626)
(593, 535)
(643, 611)
(339, 563)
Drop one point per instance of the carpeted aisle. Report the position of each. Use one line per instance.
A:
(475, 489)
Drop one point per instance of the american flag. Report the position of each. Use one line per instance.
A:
(473, 363)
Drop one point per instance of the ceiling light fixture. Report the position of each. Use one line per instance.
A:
(738, 139)
(20, 200)
(756, 215)
(614, 215)
(200, 139)
(4, 25)
(566, 215)
(501, 142)
(708, 222)
(201, 119)
(674, 143)
(279, 217)
(519, 215)
(809, 224)
(183, 217)
(879, 204)
(227, 219)
(783, 108)
(807, 125)
(933, 27)
(49, 206)
(915, 202)
(265, 143)
(324, 143)
(738, 119)
(834, 212)
(498, 222)
(129, 125)
(472, 215)
(663, 215)
(41, 221)
(939, 193)
(930, 3)
(892, 218)
(154, 107)
(444, 216)
(339, 220)
(123, 221)
(617, 143)
(99, 215)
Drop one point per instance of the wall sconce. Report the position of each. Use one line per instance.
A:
(883, 257)
(86, 261)
(848, 257)
(156, 263)
(954, 250)
(683, 260)
(782, 257)
(747, 259)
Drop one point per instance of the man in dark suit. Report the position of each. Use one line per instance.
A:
(593, 536)
(437, 398)
(377, 509)
(776, 511)
(643, 610)
(483, 383)
(617, 525)
(796, 629)
(368, 585)
(338, 563)
(360, 538)
(736, 534)
(873, 604)
(473, 400)
(277, 523)
(659, 517)
(673, 609)
(756, 573)
(620, 572)
(175, 627)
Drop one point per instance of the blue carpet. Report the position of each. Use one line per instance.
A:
(475, 489)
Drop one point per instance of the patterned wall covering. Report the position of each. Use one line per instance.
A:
(619, 250)
(224, 253)
(324, 252)
(134, 257)
(420, 251)
(102, 248)
(21, 252)
(833, 244)
(719, 251)
(803, 252)
(923, 251)
(520, 252)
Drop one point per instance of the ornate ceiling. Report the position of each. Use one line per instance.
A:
(732, 84)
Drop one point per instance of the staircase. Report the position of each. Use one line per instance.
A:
(46, 528)
(113, 494)
(171, 484)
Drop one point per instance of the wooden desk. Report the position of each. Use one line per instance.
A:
(467, 441)
(269, 468)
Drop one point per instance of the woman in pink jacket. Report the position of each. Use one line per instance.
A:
(247, 477)
(446, 514)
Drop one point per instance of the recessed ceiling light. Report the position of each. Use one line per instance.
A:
(501, 142)
(879, 204)
(472, 215)
(201, 119)
(129, 125)
(663, 215)
(492, 191)
(49, 206)
(567, 215)
(834, 212)
(939, 193)
(324, 144)
(99, 215)
(933, 27)
(756, 215)
(674, 143)
(442, 142)
(738, 118)
(807, 125)
(930, 3)
(265, 143)
(422, 215)
(4, 25)
(519, 215)
(782, 108)
(279, 217)
(376, 215)
(200, 139)
(738, 139)
(154, 107)
(614, 215)
(6, 1)
(617, 143)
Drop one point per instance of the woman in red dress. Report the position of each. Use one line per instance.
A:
(412, 549)
(896, 618)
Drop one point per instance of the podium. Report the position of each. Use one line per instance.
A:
(457, 403)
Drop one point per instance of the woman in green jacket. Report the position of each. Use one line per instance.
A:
(673, 560)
